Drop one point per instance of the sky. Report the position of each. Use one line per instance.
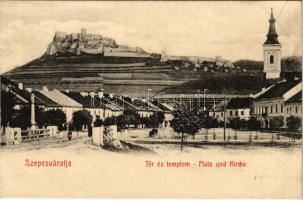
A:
(232, 29)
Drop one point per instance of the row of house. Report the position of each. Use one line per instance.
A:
(282, 99)
(99, 105)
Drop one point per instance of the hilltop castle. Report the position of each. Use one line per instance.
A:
(87, 43)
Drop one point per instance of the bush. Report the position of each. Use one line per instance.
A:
(154, 120)
(110, 121)
(276, 122)
(293, 123)
(254, 124)
(53, 118)
(235, 123)
(98, 122)
(80, 118)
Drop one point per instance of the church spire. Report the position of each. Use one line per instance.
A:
(272, 36)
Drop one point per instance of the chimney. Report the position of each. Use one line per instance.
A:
(20, 86)
(29, 89)
(44, 88)
(100, 94)
(92, 94)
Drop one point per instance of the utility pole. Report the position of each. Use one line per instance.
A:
(224, 115)
(148, 94)
(198, 104)
(204, 108)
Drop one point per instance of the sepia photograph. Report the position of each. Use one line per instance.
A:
(151, 99)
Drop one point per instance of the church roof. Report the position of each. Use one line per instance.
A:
(279, 89)
(272, 36)
(296, 98)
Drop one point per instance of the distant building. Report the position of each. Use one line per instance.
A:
(272, 52)
(239, 108)
(217, 112)
(293, 106)
(67, 104)
(95, 105)
(270, 102)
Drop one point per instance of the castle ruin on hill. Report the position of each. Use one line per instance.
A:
(87, 43)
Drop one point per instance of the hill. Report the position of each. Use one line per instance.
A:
(288, 64)
(225, 83)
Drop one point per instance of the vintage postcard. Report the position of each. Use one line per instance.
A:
(143, 99)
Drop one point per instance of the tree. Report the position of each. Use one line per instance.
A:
(293, 125)
(276, 122)
(22, 118)
(98, 122)
(110, 121)
(80, 118)
(235, 124)
(213, 123)
(207, 125)
(7, 108)
(54, 118)
(155, 120)
(185, 122)
(129, 117)
(254, 124)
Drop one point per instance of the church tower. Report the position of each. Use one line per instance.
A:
(272, 52)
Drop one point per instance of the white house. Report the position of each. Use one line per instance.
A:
(239, 108)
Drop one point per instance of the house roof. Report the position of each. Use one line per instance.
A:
(61, 98)
(84, 100)
(25, 97)
(7, 81)
(47, 101)
(297, 98)
(278, 90)
(125, 102)
(236, 103)
(219, 108)
(163, 106)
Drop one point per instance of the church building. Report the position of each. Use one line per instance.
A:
(272, 52)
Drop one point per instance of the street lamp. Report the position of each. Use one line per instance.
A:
(204, 108)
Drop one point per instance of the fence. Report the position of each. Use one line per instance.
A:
(34, 135)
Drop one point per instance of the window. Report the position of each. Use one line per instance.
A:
(221, 114)
(231, 113)
(276, 108)
(242, 112)
(296, 108)
(236, 113)
(259, 109)
(281, 109)
(271, 59)
(287, 110)
(290, 110)
(271, 109)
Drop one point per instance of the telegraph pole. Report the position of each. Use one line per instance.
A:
(224, 115)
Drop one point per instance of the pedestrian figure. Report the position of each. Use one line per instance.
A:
(69, 134)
